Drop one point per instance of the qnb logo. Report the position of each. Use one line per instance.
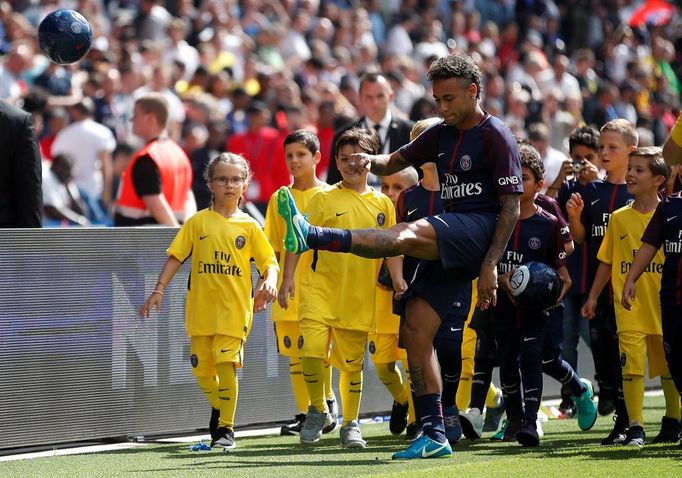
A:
(508, 180)
(562, 255)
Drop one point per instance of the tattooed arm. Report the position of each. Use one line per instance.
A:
(487, 280)
(380, 164)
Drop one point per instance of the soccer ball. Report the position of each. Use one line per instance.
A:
(535, 286)
(64, 36)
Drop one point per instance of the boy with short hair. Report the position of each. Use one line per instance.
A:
(588, 224)
(519, 341)
(639, 326)
(580, 169)
(383, 340)
(302, 155)
(338, 304)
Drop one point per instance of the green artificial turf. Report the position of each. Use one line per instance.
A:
(564, 452)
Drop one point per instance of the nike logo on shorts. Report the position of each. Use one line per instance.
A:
(341, 213)
(353, 384)
(528, 339)
(668, 219)
(201, 238)
(452, 329)
(350, 361)
(225, 350)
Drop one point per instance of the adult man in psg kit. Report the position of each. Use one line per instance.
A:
(480, 182)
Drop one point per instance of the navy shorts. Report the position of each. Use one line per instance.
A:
(447, 291)
(463, 240)
(554, 337)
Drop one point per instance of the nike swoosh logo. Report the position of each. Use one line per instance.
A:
(349, 361)
(355, 383)
(452, 329)
(531, 390)
(668, 219)
(592, 203)
(308, 374)
(528, 339)
(201, 238)
(623, 236)
(426, 454)
(341, 213)
(409, 213)
(223, 389)
(441, 154)
(545, 362)
(225, 350)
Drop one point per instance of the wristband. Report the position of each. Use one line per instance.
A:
(157, 292)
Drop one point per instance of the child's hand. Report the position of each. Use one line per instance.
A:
(505, 285)
(400, 286)
(153, 302)
(266, 292)
(587, 310)
(628, 294)
(574, 206)
(286, 292)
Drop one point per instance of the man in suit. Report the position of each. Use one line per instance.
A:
(21, 196)
(375, 96)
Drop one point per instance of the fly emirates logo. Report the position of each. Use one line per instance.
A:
(451, 189)
(674, 247)
(220, 265)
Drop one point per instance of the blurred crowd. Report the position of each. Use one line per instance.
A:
(240, 75)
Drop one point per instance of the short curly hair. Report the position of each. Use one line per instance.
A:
(531, 159)
(457, 65)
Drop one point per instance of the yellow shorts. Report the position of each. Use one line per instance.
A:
(635, 346)
(208, 350)
(289, 338)
(347, 346)
(468, 350)
(383, 348)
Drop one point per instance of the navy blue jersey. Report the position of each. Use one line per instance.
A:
(665, 229)
(601, 198)
(577, 262)
(415, 203)
(537, 238)
(552, 206)
(475, 166)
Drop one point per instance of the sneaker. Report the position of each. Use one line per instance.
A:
(213, 422)
(333, 408)
(398, 421)
(424, 447)
(513, 428)
(351, 436)
(493, 417)
(411, 431)
(670, 431)
(606, 403)
(542, 418)
(499, 436)
(617, 435)
(315, 421)
(566, 407)
(296, 223)
(472, 423)
(224, 438)
(585, 409)
(635, 436)
(528, 434)
(294, 426)
(453, 429)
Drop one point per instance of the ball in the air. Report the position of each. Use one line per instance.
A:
(64, 36)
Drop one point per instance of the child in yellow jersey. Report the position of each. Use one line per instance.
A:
(337, 303)
(639, 329)
(302, 155)
(219, 306)
(383, 341)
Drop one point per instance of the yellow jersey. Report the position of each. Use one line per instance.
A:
(620, 244)
(339, 289)
(386, 322)
(274, 230)
(220, 292)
